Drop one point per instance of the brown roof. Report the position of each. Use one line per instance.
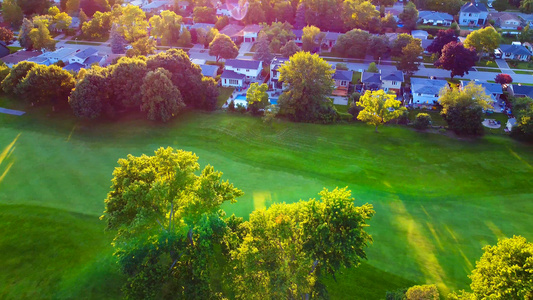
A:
(20, 56)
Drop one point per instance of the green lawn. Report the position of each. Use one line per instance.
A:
(223, 96)
(488, 70)
(487, 63)
(438, 200)
(524, 72)
(14, 49)
(356, 77)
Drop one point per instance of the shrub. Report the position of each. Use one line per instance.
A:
(403, 118)
(231, 106)
(346, 117)
(240, 108)
(426, 292)
(422, 121)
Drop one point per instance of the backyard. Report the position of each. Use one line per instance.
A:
(438, 200)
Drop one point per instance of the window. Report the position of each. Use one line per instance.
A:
(247, 70)
(343, 83)
(419, 94)
(436, 95)
(394, 83)
(469, 15)
(233, 81)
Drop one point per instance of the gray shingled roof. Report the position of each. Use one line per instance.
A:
(209, 70)
(343, 75)
(73, 67)
(86, 53)
(277, 62)
(368, 77)
(393, 76)
(298, 33)
(474, 7)
(515, 49)
(93, 59)
(243, 64)
(434, 15)
(427, 86)
(232, 75)
(524, 90)
(490, 88)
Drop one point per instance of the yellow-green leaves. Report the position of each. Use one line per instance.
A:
(379, 107)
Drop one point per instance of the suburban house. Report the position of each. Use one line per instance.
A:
(528, 19)
(515, 51)
(250, 32)
(274, 72)
(473, 14)
(81, 56)
(506, 20)
(251, 69)
(204, 26)
(13, 59)
(392, 81)
(157, 6)
(330, 39)
(232, 79)
(371, 81)
(298, 33)
(342, 82)
(521, 90)
(4, 50)
(209, 70)
(494, 90)
(84, 59)
(234, 32)
(52, 57)
(426, 91)
(420, 34)
(434, 18)
(222, 10)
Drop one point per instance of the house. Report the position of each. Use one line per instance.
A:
(434, 18)
(276, 63)
(182, 5)
(420, 34)
(157, 6)
(515, 51)
(204, 26)
(81, 56)
(250, 32)
(527, 18)
(298, 33)
(426, 91)
(75, 24)
(517, 90)
(494, 90)
(76, 67)
(222, 10)
(392, 81)
(371, 81)
(209, 70)
(52, 57)
(425, 44)
(251, 69)
(234, 32)
(342, 82)
(507, 20)
(13, 59)
(330, 39)
(473, 14)
(232, 79)
(4, 50)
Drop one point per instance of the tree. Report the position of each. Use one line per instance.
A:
(484, 40)
(24, 34)
(263, 51)
(6, 35)
(305, 97)
(284, 12)
(523, 112)
(16, 74)
(208, 94)
(426, 292)
(503, 79)
(12, 13)
(117, 41)
(223, 47)
(409, 16)
(312, 38)
(185, 39)
(4, 71)
(53, 10)
(62, 21)
(457, 59)
(378, 46)
(33, 7)
(389, 22)
(40, 36)
(255, 14)
(257, 97)
(167, 26)
(463, 109)
(299, 18)
(500, 5)
(204, 15)
(411, 57)
(353, 43)
(99, 26)
(372, 68)
(281, 32)
(526, 35)
(144, 46)
(379, 108)
(160, 98)
(91, 98)
(124, 81)
(90, 7)
(422, 121)
(46, 85)
(83, 18)
(222, 22)
(442, 38)
(72, 7)
(401, 41)
(132, 23)
(361, 13)
(210, 36)
(526, 6)
(290, 49)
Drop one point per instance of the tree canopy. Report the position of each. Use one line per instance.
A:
(379, 108)
(166, 26)
(457, 59)
(223, 47)
(523, 112)
(257, 97)
(484, 40)
(410, 58)
(442, 38)
(160, 98)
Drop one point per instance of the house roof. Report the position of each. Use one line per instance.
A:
(86, 53)
(343, 75)
(425, 43)
(243, 64)
(298, 33)
(155, 5)
(38, 59)
(490, 88)
(512, 122)
(206, 26)
(474, 7)
(20, 56)
(209, 70)
(59, 53)
(427, 86)
(434, 15)
(507, 16)
(369, 77)
(232, 75)
(419, 32)
(93, 59)
(253, 28)
(276, 63)
(392, 76)
(515, 49)
(73, 67)
(232, 30)
(332, 36)
(523, 90)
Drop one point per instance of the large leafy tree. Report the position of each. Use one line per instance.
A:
(255, 14)
(353, 43)
(323, 14)
(257, 97)
(48, 85)
(402, 40)
(91, 98)
(442, 38)
(362, 15)
(125, 78)
(484, 40)
(312, 38)
(132, 23)
(526, 6)
(503, 79)
(379, 108)
(62, 21)
(167, 26)
(378, 46)
(24, 34)
(278, 31)
(223, 47)
(409, 16)
(410, 58)
(500, 5)
(99, 26)
(526, 35)
(72, 7)
(306, 97)
(143, 46)
(204, 15)
(263, 51)
(33, 7)
(16, 74)
(117, 41)
(457, 59)
(463, 109)
(90, 7)
(161, 99)
(286, 248)
(523, 112)
(290, 49)
(12, 13)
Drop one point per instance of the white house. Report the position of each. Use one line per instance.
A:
(473, 14)
(507, 21)
(52, 57)
(426, 91)
(249, 68)
(274, 72)
(434, 18)
(392, 81)
(81, 56)
(420, 34)
(250, 32)
(21, 55)
(515, 51)
(232, 79)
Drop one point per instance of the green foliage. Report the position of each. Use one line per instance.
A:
(132, 23)
(263, 51)
(290, 49)
(204, 15)
(379, 108)
(98, 26)
(185, 39)
(526, 6)
(378, 46)
(484, 40)
(167, 26)
(223, 47)
(222, 22)
(40, 36)
(372, 68)
(410, 59)
(306, 100)
(401, 41)
(6, 35)
(91, 97)
(526, 35)
(125, 77)
(422, 292)
(62, 21)
(117, 41)
(257, 97)
(422, 121)
(341, 66)
(409, 16)
(523, 112)
(144, 46)
(16, 75)
(12, 13)
(358, 14)
(278, 31)
(312, 38)
(24, 34)
(72, 7)
(354, 43)
(270, 113)
(160, 98)
(33, 7)
(255, 14)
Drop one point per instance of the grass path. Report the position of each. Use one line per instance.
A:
(438, 200)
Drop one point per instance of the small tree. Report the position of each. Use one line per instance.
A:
(372, 68)
(270, 113)
(422, 292)
(457, 59)
(422, 121)
(257, 97)
(503, 79)
(161, 100)
(312, 38)
(263, 51)
(6, 35)
(409, 16)
(483, 40)
(411, 58)
(223, 47)
(24, 34)
(185, 39)
(117, 41)
(379, 108)
(40, 36)
(12, 12)
(341, 66)
(290, 49)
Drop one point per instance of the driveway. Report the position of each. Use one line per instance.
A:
(502, 64)
(245, 48)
